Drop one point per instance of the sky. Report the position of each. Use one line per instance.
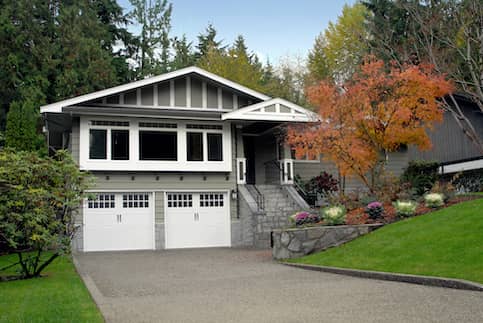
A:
(273, 29)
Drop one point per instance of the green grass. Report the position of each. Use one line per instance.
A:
(445, 243)
(60, 296)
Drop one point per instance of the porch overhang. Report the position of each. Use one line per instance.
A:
(277, 109)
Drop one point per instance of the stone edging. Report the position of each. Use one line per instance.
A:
(404, 278)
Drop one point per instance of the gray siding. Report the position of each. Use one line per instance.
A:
(308, 169)
(74, 140)
(449, 143)
(181, 94)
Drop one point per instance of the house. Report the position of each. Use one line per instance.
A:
(451, 147)
(186, 159)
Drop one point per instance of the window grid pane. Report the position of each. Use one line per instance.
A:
(212, 200)
(135, 200)
(101, 201)
(177, 200)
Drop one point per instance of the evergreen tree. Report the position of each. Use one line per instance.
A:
(183, 53)
(154, 18)
(207, 41)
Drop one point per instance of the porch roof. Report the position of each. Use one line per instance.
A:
(273, 110)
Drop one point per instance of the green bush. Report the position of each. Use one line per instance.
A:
(333, 215)
(422, 175)
(405, 208)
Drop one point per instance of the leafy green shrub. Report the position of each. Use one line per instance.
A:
(333, 215)
(421, 175)
(375, 210)
(405, 208)
(434, 200)
(37, 206)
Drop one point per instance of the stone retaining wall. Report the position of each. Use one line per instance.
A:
(297, 242)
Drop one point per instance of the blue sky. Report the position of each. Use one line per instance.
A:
(272, 29)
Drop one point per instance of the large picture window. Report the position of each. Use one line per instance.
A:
(215, 147)
(98, 144)
(158, 145)
(120, 144)
(194, 146)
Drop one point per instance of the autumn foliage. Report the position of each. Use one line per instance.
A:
(377, 111)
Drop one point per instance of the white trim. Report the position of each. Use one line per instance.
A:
(459, 167)
(138, 97)
(257, 112)
(235, 101)
(153, 194)
(155, 95)
(243, 161)
(135, 164)
(57, 107)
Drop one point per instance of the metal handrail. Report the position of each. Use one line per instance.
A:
(260, 199)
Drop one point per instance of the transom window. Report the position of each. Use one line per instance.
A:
(212, 200)
(178, 200)
(204, 126)
(135, 200)
(157, 125)
(101, 201)
(110, 123)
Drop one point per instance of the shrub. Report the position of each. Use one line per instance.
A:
(405, 208)
(303, 217)
(325, 184)
(434, 200)
(333, 215)
(375, 210)
(37, 206)
(421, 175)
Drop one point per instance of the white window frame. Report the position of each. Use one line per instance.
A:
(135, 164)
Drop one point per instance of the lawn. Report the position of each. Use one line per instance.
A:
(446, 243)
(59, 297)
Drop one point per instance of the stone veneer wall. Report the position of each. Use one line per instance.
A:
(297, 242)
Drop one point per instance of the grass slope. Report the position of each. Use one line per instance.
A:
(59, 297)
(446, 243)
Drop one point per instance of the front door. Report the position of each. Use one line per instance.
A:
(249, 147)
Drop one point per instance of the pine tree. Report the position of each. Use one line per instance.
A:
(183, 53)
(207, 41)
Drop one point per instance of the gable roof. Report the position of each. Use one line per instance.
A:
(273, 110)
(57, 106)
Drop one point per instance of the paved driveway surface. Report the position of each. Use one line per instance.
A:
(239, 285)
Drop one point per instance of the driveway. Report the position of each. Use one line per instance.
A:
(244, 285)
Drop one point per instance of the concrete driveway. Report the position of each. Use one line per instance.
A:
(239, 285)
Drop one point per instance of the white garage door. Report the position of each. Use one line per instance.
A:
(119, 221)
(196, 220)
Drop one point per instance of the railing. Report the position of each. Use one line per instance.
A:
(310, 198)
(259, 198)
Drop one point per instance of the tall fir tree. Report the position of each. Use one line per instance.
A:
(183, 53)
(154, 18)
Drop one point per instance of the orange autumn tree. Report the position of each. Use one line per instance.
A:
(371, 115)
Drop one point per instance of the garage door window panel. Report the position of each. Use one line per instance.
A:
(211, 200)
(179, 200)
(158, 145)
(135, 200)
(102, 201)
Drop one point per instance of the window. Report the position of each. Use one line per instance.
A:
(120, 144)
(98, 144)
(157, 145)
(211, 200)
(215, 147)
(135, 200)
(180, 200)
(194, 146)
(101, 201)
